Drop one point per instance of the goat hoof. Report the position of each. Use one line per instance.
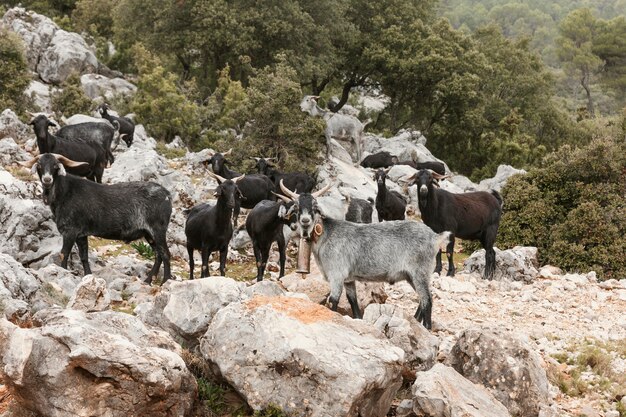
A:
(148, 280)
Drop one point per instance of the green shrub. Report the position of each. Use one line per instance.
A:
(143, 249)
(71, 99)
(14, 75)
(573, 209)
(160, 104)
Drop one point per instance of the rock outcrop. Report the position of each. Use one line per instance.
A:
(517, 264)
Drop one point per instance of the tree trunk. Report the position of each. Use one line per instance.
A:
(345, 94)
(585, 83)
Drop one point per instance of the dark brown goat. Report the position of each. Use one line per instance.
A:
(473, 216)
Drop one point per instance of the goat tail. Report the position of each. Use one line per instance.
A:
(498, 197)
(443, 239)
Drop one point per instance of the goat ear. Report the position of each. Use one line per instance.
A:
(61, 170)
(33, 169)
(282, 211)
(51, 123)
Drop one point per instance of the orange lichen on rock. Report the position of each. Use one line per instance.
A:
(302, 310)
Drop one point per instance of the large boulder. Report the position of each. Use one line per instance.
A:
(502, 175)
(40, 93)
(442, 392)
(51, 52)
(315, 287)
(186, 308)
(505, 365)
(11, 152)
(303, 358)
(11, 126)
(403, 330)
(406, 145)
(17, 288)
(96, 85)
(517, 264)
(94, 364)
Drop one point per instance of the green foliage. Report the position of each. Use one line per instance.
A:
(94, 17)
(14, 75)
(610, 45)
(144, 250)
(71, 99)
(573, 208)
(160, 104)
(271, 411)
(277, 127)
(211, 395)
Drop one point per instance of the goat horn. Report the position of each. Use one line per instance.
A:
(67, 161)
(322, 191)
(228, 152)
(438, 176)
(217, 177)
(288, 192)
(315, 97)
(239, 178)
(29, 164)
(256, 158)
(282, 197)
(409, 178)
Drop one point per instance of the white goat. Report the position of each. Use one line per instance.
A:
(338, 126)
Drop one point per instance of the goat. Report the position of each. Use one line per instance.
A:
(434, 166)
(359, 210)
(389, 252)
(92, 131)
(126, 126)
(208, 227)
(126, 211)
(379, 160)
(74, 149)
(390, 205)
(295, 181)
(474, 216)
(254, 188)
(264, 225)
(340, 126)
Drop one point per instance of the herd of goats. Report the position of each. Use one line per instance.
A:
(345, 250)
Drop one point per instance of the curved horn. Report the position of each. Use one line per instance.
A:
(315, 97)
(282, 197)
(322, 191)
(410, 178)
(288, 192)
(239, 178)
(228, 152)
(217, 177)
(67, 161)
(271, 159)
(29, 164)
(256, 158)
(438, 176)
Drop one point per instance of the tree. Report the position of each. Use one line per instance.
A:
(14, 75)
(610, 46)
(575, 48)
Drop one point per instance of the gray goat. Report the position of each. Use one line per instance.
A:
(389, 251)
(339, 126)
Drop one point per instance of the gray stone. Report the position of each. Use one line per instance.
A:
(11, 152)
(303, 358)
(442, 392)
(40, 93)
(266, 288)
(94, 364)
(12, 126)
(404, 331)
(503, 173)
(90, 295)
(66, 54)
(518, 264)
(505, 365)
(96, 86)
(406, 145)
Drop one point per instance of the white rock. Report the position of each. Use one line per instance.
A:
(502, 175)
(519, 263)
(12, 126)
(41, 95)
(90, 295)
(96, 85)
(67, 53)
(11, 152)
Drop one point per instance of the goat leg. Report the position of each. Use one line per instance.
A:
(223, 254)
(352, 299)
(83, 253)
(449, 255)
(438, 267)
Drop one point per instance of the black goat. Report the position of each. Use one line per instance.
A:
(209, 228)
(77, 150)
(98, 132)
(126, 126)
(265, 225)
(390, 205)
(473, 216)
(126, 211)
(254, 188)
(381, 159)
(359, 210)
(298, 182)
(435, 166)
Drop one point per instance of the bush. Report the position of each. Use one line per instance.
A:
(573, 209)
(71, 99)
(14, 75)
(160, 104)
(277, 127)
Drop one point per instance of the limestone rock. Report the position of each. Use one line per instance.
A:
(189, 306)
(502, 175)
(91, 295)
(41, 95)
(304, 358)
(442, 392)
(11, 152)
(405, 145)
(94, 364)
(518, 264)
(505, 365)
(96, 85)
(12, 126)
(403, 330)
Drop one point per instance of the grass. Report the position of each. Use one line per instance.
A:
(592, 359)
(143, 249)
(169, 153)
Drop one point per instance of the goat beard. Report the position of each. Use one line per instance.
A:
(46, 195)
